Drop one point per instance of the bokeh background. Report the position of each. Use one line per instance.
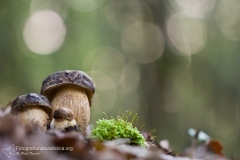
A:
(174, 62)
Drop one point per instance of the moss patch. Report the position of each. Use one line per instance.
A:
(109, 129)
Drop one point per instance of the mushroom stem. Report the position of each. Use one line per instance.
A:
(62, 125)
(76, 99)
(33, 116)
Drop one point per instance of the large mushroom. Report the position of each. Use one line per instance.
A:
(72, 89)
(32, 110)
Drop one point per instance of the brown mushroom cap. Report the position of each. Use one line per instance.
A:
(67, 77)
(31, 99)
(63, 114)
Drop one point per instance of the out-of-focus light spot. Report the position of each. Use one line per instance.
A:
(186, 34)
(44, 32)
(102, 81)
(201, 135)
(143, 42)
(227, 17)
(57, 5)
(111, 61)
(122, 13)
(107, 60)
(196, 8)
(106, 91)
(130, 78)
(85, 5)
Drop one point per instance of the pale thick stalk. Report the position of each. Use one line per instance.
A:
(33, 115)
(62, 125)
(74, 98)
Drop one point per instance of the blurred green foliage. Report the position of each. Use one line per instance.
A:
(175, 63)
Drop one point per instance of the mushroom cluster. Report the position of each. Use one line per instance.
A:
(64, 102)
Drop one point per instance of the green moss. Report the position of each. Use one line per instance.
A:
(109, 129)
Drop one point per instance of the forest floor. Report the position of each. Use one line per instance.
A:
(22, 143)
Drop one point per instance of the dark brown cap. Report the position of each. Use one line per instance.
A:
(31, 99)
(68, 77)
(63, 114)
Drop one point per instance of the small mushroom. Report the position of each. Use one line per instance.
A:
(63, 120)
(72, 89)
(32, 110)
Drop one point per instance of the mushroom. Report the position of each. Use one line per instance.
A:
(72, 89)
(63, 120)
(32, 110)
